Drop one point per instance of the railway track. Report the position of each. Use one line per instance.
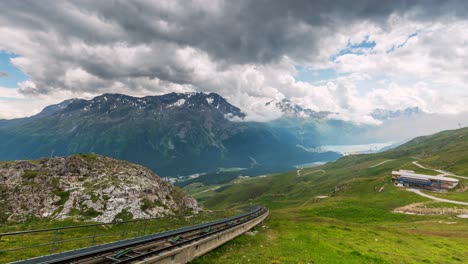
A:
(143, 249)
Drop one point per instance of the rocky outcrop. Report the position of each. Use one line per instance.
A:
(89, 187)
(426, 209)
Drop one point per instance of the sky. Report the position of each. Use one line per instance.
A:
(349, 57)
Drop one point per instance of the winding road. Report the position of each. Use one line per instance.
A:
(445, 173)
(381, 163)
(299, 172)
(436, 198)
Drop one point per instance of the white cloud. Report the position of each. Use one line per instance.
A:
(424, 64)
(14, 104)
(96, 48)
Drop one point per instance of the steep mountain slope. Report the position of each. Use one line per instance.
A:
(86, 186)
(343, 212)
(172, 134)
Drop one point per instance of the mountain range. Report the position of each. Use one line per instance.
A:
(384, 114)
(180, 134)
(173, 134)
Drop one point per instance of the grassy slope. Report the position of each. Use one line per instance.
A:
(356, 223)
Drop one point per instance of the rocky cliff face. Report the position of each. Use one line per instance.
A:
(89, 187)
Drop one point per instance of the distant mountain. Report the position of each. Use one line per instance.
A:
(290, 109)
(173, 134)
(314, 128)
(383, 114)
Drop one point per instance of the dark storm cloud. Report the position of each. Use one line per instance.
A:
(233, 31)
(260, 31)
(117, 41)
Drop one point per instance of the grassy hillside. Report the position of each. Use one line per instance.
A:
(447, 150)
(355, 222)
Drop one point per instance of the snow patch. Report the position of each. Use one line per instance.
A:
(179, 102)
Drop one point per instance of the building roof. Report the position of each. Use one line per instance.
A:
(423, 176)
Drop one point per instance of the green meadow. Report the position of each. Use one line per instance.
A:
(355, 222)
(340, 212)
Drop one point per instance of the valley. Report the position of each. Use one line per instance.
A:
(203, 131)
(346, 211)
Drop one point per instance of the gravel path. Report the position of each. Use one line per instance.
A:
(380, 163)
(445, 173)
(299, 173)
(436, 198)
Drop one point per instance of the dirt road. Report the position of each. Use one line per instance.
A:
(445, 173)
(436, 198)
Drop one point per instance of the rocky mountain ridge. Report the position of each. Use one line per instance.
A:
(290, 109)
(89, 187)
(120, 103)
(173, 134)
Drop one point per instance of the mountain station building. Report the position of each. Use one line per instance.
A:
(411, 179)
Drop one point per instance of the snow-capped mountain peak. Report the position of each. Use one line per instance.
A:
(290, 109)
(124, 104)
(384, 114)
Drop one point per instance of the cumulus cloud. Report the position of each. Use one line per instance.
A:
(247, 51)
(404, 128)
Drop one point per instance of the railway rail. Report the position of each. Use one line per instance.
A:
(143, 249)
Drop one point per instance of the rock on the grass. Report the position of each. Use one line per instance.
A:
(89, 187)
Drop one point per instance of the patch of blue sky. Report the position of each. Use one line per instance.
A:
(316, 76)
(401, 45)
(306, 74)
(12, 75)
(362, 48)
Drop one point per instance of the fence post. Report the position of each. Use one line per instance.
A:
(52, 247)
(124, 229)
(93, 239)
(144, 227)
(139, 227)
